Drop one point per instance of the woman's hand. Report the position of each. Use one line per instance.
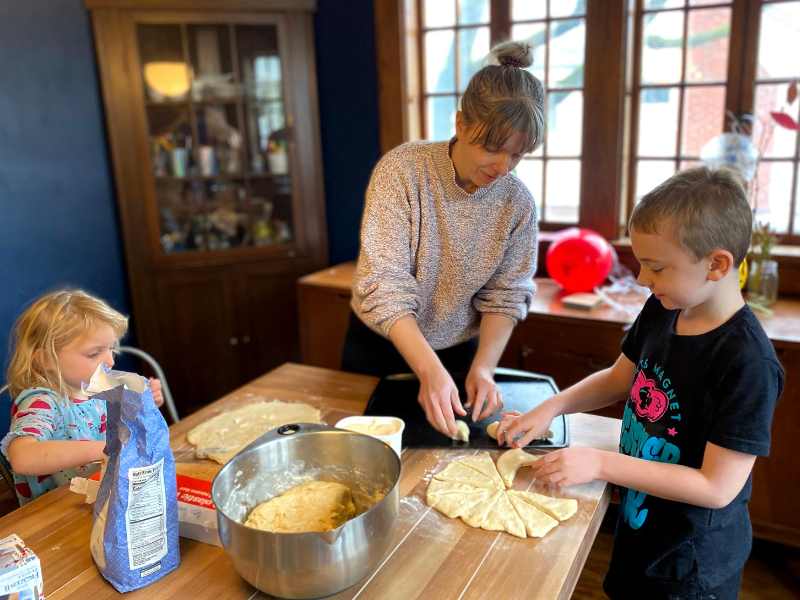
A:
(531, 425)
(155, 388)
(569, 466)
(438, 395)
(481, 386)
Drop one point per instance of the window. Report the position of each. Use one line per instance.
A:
(557, 31)
(680, 70)
(635, 89)
(775, 190)
(455, 38)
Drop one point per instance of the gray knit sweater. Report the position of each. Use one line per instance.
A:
(430, 249)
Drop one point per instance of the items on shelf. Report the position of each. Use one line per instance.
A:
(171, 155)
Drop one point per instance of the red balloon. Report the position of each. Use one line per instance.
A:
(579, 259)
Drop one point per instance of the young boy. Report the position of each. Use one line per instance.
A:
(701, 380)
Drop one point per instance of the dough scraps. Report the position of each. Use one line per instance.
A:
(231, 431)
(314, 506)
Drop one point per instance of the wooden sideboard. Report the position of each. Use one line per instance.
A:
(568, 345)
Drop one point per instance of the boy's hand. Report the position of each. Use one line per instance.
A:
(481, 386)
(155, 388)
(532, 424)
(569, 466)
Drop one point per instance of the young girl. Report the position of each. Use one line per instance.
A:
(54, 436)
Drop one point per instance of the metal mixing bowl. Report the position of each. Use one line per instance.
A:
(318, 564)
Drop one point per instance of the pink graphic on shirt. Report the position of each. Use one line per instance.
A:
(23, 489)
(42, 478)
(14, 409)
(650, 401)
(41, 404)
(33, 430)
(26, 414)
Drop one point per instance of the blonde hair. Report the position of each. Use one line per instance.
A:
(503, 99)
(708, 210)
(50, 324)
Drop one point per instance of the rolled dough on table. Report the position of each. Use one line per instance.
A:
(235, 429)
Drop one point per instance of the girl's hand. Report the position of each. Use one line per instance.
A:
(438, 395)
(569, 466)
(481, 386)
(531, 425)
(155, 388)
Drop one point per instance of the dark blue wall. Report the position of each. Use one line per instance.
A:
(58, 218)
(346, 71)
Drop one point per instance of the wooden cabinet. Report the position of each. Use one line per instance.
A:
(212, 120)
(325, 315)
(568, 345)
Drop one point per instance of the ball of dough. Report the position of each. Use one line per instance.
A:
(314, 506)
(463, 432)
(492, 430)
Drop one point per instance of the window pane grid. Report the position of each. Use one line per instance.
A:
(448, 61)
(679, 98)
(775, 190)
(556, 157)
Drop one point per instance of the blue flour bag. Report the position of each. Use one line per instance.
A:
(134, 537)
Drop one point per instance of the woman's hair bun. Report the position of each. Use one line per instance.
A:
(512, 54)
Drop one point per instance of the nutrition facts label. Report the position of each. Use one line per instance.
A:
(146, 517)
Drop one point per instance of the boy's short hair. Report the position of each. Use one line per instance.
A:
(708, 210)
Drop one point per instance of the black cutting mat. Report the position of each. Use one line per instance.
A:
(396, 396)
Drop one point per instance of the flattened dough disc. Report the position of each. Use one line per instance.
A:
(235, 429)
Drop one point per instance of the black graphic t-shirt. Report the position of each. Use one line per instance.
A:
(719, 387)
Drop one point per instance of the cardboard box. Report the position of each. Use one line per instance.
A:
(197, 516)
(20, 570)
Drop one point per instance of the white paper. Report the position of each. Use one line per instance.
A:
(146, 517)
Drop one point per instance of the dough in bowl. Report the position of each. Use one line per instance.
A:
(314, 506)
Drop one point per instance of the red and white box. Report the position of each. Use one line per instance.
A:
(197, 516)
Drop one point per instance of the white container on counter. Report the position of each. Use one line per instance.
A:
(367, 425)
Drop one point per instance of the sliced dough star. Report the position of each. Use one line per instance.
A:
(483, 464)
(476, 515)
(558, 508)
(455, 503)
(537, 523)
(457, 472)
(503, 517)
(511, 461)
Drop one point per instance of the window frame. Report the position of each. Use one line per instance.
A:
(608, 172)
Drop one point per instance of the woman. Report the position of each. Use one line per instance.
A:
(448, 246)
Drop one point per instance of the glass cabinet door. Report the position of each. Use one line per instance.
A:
(219, 152)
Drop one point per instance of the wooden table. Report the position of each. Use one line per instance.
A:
(430, 556)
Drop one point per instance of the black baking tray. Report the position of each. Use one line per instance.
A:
(396, 396)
